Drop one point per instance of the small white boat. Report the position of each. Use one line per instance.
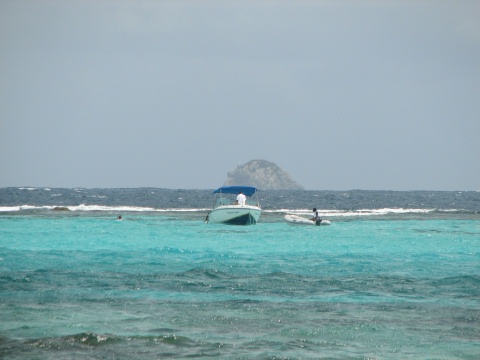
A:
(225, 209)
(298, 220)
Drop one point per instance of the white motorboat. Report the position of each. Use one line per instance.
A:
(226, 210)
(298, 220)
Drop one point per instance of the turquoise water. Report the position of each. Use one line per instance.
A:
(167, 285)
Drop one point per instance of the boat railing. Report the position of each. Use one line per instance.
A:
(253, 202)
(223, 201)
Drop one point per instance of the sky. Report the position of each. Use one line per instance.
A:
(373, 95)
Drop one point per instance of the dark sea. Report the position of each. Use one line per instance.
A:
(395, 276)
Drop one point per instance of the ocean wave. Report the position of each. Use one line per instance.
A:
(326, 213)
(163, 345)
(97, 208)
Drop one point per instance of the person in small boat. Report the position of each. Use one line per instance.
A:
(317, 218)
(241, 199)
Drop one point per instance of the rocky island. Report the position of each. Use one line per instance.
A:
(263, 175)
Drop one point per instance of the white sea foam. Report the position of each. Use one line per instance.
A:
(300, 212)
(86, 208)
(9, 208)
(83, 207)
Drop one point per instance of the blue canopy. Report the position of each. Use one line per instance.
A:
(247, 190)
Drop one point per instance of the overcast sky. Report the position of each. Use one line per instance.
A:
(380, 95)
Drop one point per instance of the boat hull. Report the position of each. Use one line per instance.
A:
(298, 220)
(235, 215)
